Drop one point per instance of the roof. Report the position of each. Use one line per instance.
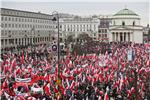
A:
(25, 11)
(126, 12)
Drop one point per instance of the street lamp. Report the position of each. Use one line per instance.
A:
(32, 39)
(58, 44)
(57, 19)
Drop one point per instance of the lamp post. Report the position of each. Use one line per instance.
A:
(58, 82)
(58, 44)
(32, 39)
(33, 29)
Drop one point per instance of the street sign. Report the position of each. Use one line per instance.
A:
(54, 47)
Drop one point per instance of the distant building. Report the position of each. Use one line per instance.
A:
(21, 28)
(146, 34)
(126, 27)
(78, 25)
(103, 28)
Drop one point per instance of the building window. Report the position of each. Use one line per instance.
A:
(16, 41)
(64, 26)
(19, 41)
(9, 25)
(5, 41)
(60, 34)
(102, 31)
(94, 27)
(2, 25)
(2, 18)
(5, 25)
(99, 30)
(105, 30)
(2, 41)
(99, 35)
(22, 41)
(5, 18)
(60, 26)
(12, 25)
(9, 19)
(9, 41)
(2, 32)
(60, 39)
(114, 23)
(123, 23)
(9, 32)
(5, 32)
(133, 23)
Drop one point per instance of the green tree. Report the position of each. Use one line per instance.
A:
(84, 38)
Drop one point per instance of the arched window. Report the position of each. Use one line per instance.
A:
(123, 23)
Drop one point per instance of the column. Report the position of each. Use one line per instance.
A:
(25, 41)
(114, 36)
(127, 37)
(7, 40)
(130, 36)
(123, 37)
(118, 36)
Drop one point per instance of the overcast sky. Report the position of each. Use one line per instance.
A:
(82, 7)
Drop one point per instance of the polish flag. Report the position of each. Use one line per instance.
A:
(47, 90)
(106, 96)
(72, 85)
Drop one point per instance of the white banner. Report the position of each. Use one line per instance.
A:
(23, 80)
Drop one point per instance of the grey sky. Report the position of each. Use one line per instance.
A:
(81, 8)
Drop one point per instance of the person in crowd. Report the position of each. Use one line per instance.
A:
(114, 73)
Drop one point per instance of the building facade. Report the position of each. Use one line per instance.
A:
(146, 34)
(125, 27)
(78, 25)
(22, 28)
(25, 28)
(103, 28)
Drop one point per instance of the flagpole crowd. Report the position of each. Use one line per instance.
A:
(115, 75)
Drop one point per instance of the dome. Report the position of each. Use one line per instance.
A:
(126, 12)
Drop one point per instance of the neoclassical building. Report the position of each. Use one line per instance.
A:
(126, 26)
(77, 25)
(25, 28)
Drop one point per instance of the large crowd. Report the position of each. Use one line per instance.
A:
(116, 74)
